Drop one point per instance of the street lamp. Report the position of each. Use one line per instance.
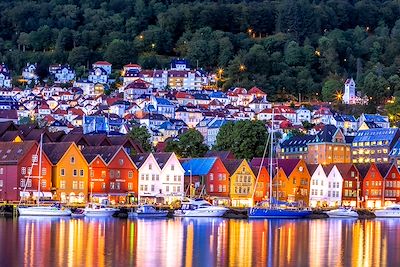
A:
(242, 67)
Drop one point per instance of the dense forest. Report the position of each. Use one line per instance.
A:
(285, 47)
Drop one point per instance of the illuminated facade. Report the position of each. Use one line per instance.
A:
(241, 182)
(374, 145)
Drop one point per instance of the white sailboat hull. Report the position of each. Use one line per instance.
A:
(342, 214)
(387, 213)
(201, 212)
(102, 212)
(43, 211)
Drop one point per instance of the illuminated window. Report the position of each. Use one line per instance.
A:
(62, 184)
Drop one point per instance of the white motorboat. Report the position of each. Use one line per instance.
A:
(199, 208)
(392, 211)
(342, 213)
(98, 210)
(55, 210)
(147, 211)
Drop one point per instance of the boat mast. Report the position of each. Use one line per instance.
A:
(40, 166)
(261, 165)
(270, 159)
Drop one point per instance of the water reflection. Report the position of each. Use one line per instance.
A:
(198, 242)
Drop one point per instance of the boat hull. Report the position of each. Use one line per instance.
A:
(277, 214)
(147, 215)
(201, 213)
(43, 211)
(99, 212)
(342, 214)
(387, 213)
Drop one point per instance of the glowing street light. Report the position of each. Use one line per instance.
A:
(242, 67)
(141, 37)
(339, 96)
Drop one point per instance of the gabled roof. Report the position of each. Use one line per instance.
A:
(140, 158)
(55, 151)
(327, 133)
(363, 169)
(232, 165)
(287, 165)
(328, 168)
(105, 152)
(219, 154)
(198, 166)
(383, 168)
(344, 168)
(97, 139)
(311, 168)
(12, 153)
(10, 136)
(162, 158)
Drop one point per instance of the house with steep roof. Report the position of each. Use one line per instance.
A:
(171, 176)
(352, 184)
(318, 185)
(69, 172)
(373, 184)
(208, 176)
(290, 181)
(149, 183)
(242, 181)
(19, 171)
(112, 172)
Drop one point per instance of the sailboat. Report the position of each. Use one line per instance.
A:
(272, 210)
(41, 210)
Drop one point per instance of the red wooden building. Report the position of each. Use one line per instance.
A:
(392, 186)
(351, 183)
(19, 169)
(112, 173)
(373, 185)
(208, 175)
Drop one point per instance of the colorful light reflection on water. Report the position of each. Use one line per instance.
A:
(198, 242)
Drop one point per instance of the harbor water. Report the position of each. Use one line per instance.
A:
(198, 242)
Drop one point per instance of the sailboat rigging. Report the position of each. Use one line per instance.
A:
(38, 209)
(272, 211)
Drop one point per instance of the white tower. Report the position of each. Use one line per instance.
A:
(349, 96)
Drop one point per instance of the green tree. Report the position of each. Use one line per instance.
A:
(142, 135)
(79, 56)
(246, 139)
(331, 87)
(188, 145)
(118, 53)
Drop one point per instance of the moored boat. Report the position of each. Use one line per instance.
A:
(342, 213)
(40, 209)
(147, 211)
(260, 212)
(98, 210)
(78, 213)
(55, 210)
(199, 208)
(392, 211)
